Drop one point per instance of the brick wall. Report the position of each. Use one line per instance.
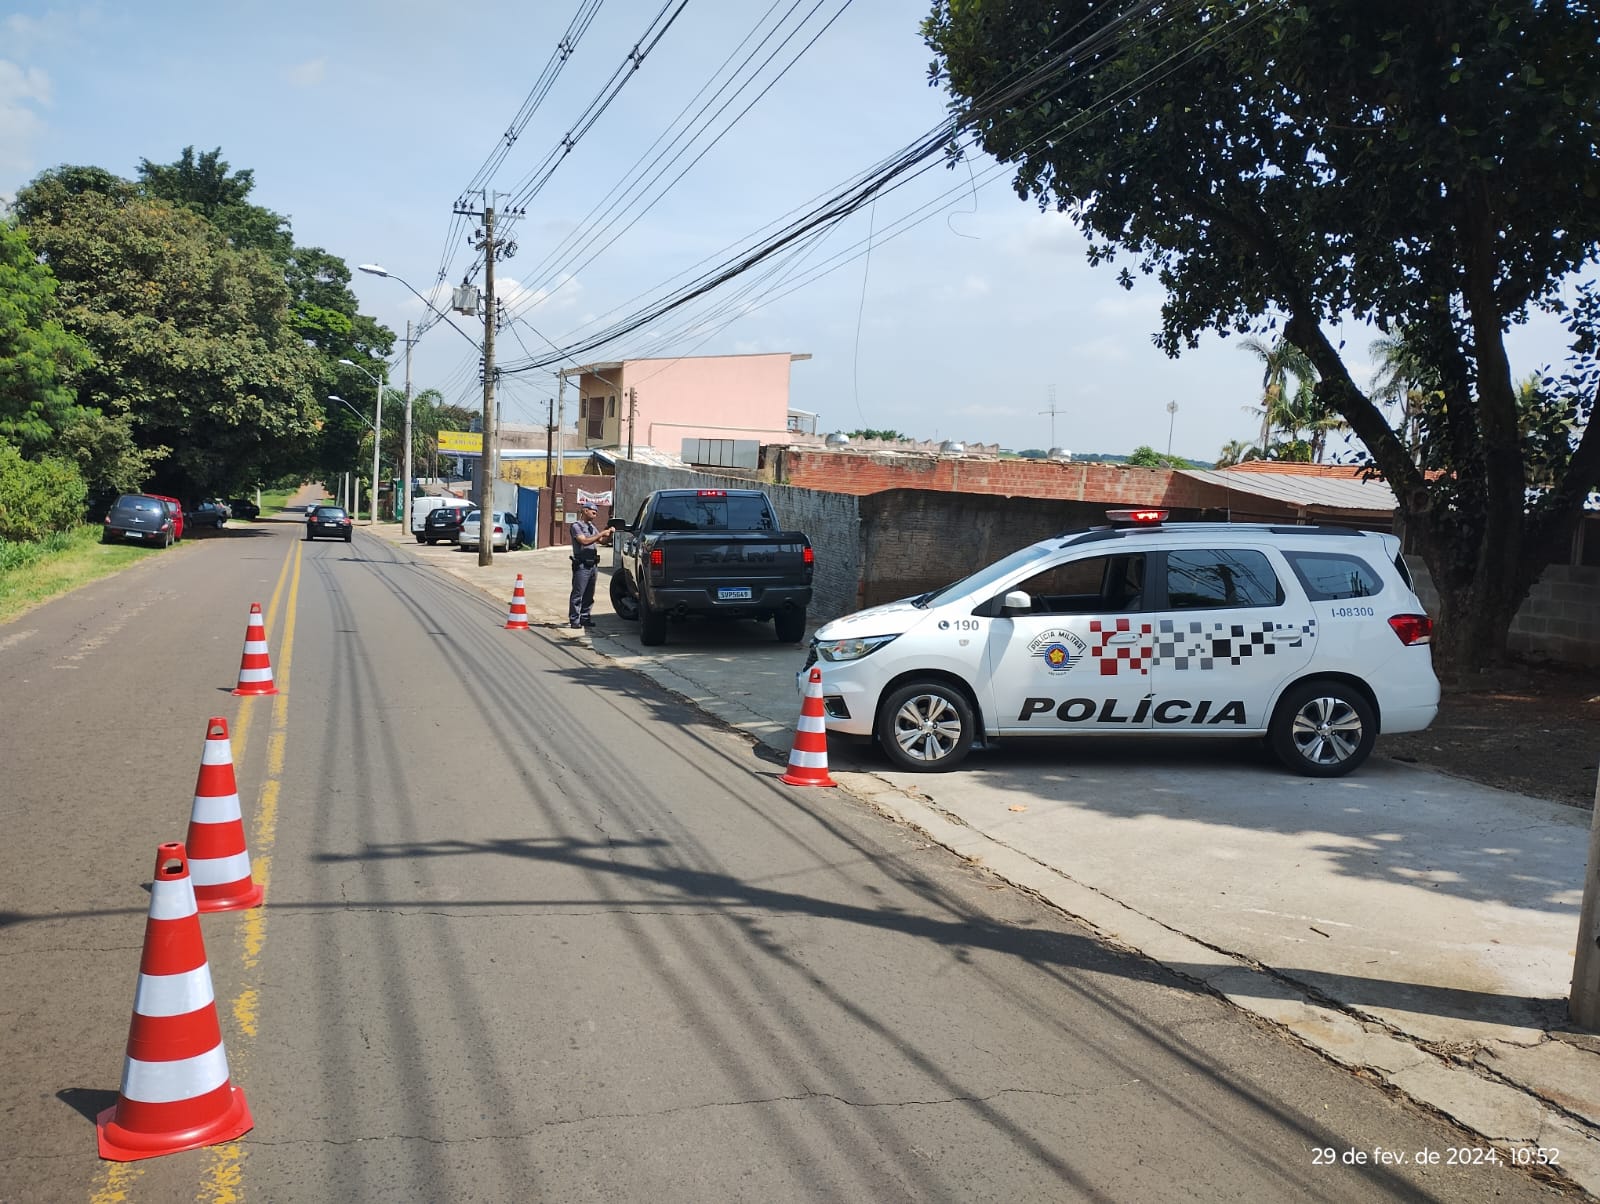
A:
(1107, 484)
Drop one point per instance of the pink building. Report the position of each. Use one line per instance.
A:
(739, 397)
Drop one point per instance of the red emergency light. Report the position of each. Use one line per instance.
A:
(1144, 518)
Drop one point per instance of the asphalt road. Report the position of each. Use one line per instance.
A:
(537, 930)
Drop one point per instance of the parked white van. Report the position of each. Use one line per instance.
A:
(421, 507)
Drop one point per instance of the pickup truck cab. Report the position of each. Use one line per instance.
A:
(713, 553)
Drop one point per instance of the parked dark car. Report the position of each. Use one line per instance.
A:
(206, 513)
(332, 521)
(244, 508)
(138, 518)
(444, 524)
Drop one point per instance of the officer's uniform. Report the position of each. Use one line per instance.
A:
(585, 568)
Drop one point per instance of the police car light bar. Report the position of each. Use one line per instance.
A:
(1141, 517)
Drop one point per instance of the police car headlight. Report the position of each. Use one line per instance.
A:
(852, 649)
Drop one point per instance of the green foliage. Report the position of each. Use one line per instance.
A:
(37, 497)
(37, 356)
(106, 450)
(1145, 456)
(192, 339)
(1422, 167)
(202, 184)
(887, 436)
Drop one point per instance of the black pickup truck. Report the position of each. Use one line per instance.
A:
(715, 553)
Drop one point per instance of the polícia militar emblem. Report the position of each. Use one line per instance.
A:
(1058, 649)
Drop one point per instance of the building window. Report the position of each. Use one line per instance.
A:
(596, 415)
(611, 407)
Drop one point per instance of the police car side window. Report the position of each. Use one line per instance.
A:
(1329, 576)
(1091, 585)
(1221, 578)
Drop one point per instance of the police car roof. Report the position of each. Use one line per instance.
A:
(1123, 530)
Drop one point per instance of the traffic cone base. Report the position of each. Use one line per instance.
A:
(808, 760)
(517, 620)
(219, 860)
(175, 1092)
(255, 666)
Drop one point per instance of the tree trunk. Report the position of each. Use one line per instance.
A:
(1473, 624)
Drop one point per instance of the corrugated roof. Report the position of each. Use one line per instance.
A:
(1294, 489)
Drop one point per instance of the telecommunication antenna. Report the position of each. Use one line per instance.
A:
(1052, 411)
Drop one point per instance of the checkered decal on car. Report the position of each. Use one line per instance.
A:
(1198, 645)
(1135, 657)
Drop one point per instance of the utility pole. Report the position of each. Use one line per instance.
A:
(492, 250)
(1052, 411)
(633, 412)
(1584, 1004)
(405, 482)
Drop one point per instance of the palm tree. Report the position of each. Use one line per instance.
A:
(1234, 452)
(1282, 409)
(1404, 380)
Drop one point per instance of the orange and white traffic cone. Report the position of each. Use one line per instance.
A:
(218, 858)
(175, 1092)
(808, 759)
(518, 618)
(255, 667)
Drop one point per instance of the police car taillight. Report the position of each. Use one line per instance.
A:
(1412, 629)
(1143, 518)
(711, 493)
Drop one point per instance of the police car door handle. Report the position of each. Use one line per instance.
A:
(1293, 634)
(1123, 637)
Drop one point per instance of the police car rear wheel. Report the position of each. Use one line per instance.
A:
(926, 726)
(1323, 729)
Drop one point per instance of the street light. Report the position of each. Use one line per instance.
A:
(377, 437)
(368, 422)
(373, 269)
(1172, 417)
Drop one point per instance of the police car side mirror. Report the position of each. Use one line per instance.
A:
(1018, 601)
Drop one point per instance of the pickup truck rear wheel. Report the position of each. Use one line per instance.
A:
(926, 726)
(652, 624)
(790, 625)
(624, 603)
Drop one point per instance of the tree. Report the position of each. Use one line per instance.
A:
(191, 337)
(38, 357)
(202, 184)
(1145, 456)
(885, 436)
(1425, 167)
(1235, 451)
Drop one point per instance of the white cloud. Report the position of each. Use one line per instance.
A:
(309, 74)
(22, 91)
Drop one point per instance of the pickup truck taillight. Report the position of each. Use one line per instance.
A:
(658, 558)
(809, 556)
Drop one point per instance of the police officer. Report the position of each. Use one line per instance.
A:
(587, 540)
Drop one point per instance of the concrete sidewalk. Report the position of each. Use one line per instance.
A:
(1414, 927)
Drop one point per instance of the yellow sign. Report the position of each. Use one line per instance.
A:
(460, 441)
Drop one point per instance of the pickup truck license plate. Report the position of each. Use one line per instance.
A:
(733, 593)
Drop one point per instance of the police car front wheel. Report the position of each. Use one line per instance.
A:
(926, 726)
(1323, 729)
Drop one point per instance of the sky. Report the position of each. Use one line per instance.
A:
(949, 309)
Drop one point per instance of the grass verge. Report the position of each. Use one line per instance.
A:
(31, 573)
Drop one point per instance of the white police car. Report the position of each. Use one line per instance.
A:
(1311, 637)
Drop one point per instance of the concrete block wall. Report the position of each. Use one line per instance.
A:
(832, 521)
(915, 540)
(1560, 620)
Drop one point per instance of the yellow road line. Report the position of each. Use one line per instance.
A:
(116, 1180)
(222, 1180)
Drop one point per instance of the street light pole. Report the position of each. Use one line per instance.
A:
(1172, 417)
(377, 436)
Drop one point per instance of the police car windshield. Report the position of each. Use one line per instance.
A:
(986, 576)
